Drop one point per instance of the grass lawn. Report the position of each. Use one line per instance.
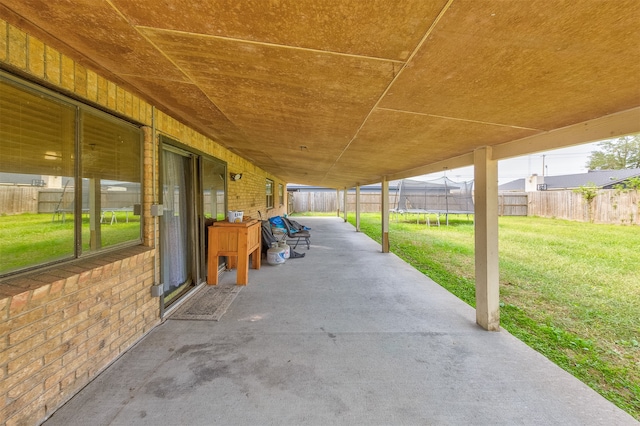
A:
(29, 239)
(569, 290)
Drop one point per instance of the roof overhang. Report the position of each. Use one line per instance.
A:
(343, 93)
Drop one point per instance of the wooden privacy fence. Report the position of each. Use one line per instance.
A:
(369, 203)
(18, 199)
(326, 202)
(513, 204)
(30, 199)
(51, 199)
(312, 201)
(609, 206)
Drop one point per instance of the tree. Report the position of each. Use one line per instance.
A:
(615, 154)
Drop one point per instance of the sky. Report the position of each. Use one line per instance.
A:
(564, 161)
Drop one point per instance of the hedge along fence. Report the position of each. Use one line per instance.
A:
(609, 206)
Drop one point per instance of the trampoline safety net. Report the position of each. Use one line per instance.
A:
(435, 196)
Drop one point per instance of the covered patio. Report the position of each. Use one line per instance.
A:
(345, 335)
(337, 94)
(344, 94)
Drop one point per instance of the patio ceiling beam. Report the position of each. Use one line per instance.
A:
(606, 127)
(449, 164)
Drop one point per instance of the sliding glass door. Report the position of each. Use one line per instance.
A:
(176, 223)
(193, 197)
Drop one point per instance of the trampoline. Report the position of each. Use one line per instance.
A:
(435, 197)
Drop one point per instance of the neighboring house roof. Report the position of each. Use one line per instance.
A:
(409, 185)
(514, 185)
(600, 178)
(17, 179)
(376, 187)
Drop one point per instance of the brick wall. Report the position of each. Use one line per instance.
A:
(60, 327)
(247, 194)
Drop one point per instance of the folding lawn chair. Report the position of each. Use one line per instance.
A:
(296, 234)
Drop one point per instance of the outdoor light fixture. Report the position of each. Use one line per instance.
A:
(236, 176)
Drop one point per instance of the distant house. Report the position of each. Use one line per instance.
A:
(373, 188)
(603, 179)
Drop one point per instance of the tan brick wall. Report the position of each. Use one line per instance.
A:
(247, 194)
(60, 328)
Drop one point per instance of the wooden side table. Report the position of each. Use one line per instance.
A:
(236, 241)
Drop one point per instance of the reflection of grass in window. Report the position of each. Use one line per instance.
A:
(116, 233)
(173, 294)
(32, 239)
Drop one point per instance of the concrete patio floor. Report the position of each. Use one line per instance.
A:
(344, 336)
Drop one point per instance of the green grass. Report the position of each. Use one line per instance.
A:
(31, 239)
(569, 290)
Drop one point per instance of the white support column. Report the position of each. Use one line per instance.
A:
(358, 208)
(384, 202)
(344, 209)
(338, 202)
(486, 240)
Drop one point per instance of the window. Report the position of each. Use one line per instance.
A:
(111, 185)
(269, 194)
(213, 195)
(72, 175)
(281, 194)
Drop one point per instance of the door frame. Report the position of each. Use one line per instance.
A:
(196, 229)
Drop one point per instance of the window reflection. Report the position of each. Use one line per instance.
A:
(43, 204)
(36, 178)
(111, 177)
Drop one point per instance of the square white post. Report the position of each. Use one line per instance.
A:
(358, 208)
(385, 215)
(345, 204)
(486, 240)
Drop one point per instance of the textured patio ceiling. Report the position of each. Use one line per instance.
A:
(335, 93)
